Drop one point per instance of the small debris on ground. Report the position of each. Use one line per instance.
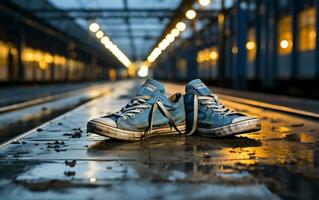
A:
(69, 173)
(292, 137)
(275, 120)
(76, 134)
(206, 155)
(71, 163)
(297, 125)
(58, 150)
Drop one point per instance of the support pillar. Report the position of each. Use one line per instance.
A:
(258, 38)
(273, 44)
(221, 45)
(190, 55)
(19, 45)
(241, 27)
(294, 53)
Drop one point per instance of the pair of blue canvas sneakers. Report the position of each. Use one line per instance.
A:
(151, 113)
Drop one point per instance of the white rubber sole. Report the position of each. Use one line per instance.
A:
(120, 134)
(246, 126)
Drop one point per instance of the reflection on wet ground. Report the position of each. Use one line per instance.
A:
(20, 120)
(62, 161)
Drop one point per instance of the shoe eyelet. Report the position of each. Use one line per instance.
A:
(158, 100)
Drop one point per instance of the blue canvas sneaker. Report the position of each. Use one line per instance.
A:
(209, 117)
(148, 114)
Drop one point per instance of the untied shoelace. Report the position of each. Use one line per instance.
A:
(138, 104)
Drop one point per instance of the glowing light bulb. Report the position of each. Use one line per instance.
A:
(284, 44)
(213, 55)
(99, 34)
(143, 71)
(190, 14)
(181, 26)
(204, 2)
(108, 44)
(170, 38)
(162, 45)
(175, 32)
(104, 40)
(234, 50)
(94, 27)
(250, 45)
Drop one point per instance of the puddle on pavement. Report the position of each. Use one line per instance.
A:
(284, 166)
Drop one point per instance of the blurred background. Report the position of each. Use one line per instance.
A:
(259, 45)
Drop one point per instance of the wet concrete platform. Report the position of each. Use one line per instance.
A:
(59, 160)
(21, 117)
(24, 92)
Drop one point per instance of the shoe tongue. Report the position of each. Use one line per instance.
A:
(151, 87)
(197, 87)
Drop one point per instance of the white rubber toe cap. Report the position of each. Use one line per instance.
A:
(106, 121)
(239, 119)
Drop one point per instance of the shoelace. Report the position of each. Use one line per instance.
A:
(137, 105)
(211, 102)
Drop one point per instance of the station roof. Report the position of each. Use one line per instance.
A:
(133, 25)
(133, 35)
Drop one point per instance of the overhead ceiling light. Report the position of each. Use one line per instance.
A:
(204, 2)
(170, 38)
(190, 14)
(162, 45)
(94, 27)
(108, 44)
(175, 32)
(99, 34)
(157, 51)
(181, 26)
(105, 39)
(143, 71)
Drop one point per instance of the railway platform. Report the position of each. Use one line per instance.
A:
(60, 160)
